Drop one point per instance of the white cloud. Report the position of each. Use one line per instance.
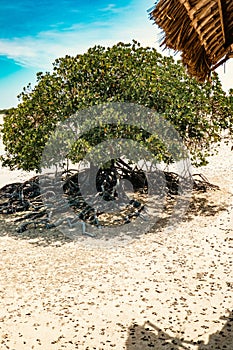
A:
(112, 8)
(40, 51)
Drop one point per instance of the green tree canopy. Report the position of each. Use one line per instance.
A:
(122, 73)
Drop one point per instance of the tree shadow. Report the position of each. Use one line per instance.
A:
(203, 206)
(35, 236)
(200, 204)
(223, 339)
(149, 336)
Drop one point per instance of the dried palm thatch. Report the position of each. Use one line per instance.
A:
(201, 29)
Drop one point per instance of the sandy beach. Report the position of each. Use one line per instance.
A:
(170, 289)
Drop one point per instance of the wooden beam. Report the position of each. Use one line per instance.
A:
(205, 21)
(194, 21)
(222, 19)
(231, 51)
(227, 57)
(199, 5)
(220, 62)
(192, 10)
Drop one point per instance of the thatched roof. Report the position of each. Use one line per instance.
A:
(201, 29)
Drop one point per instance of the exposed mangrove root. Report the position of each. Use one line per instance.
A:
(26, 202)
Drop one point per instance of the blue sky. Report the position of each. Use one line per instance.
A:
(34, 34)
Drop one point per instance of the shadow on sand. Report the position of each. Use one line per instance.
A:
(198, 205)
(149, 336)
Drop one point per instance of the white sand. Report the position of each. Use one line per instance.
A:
(67, 296)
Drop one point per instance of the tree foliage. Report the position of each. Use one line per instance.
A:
(122, 73)
(3, 111)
